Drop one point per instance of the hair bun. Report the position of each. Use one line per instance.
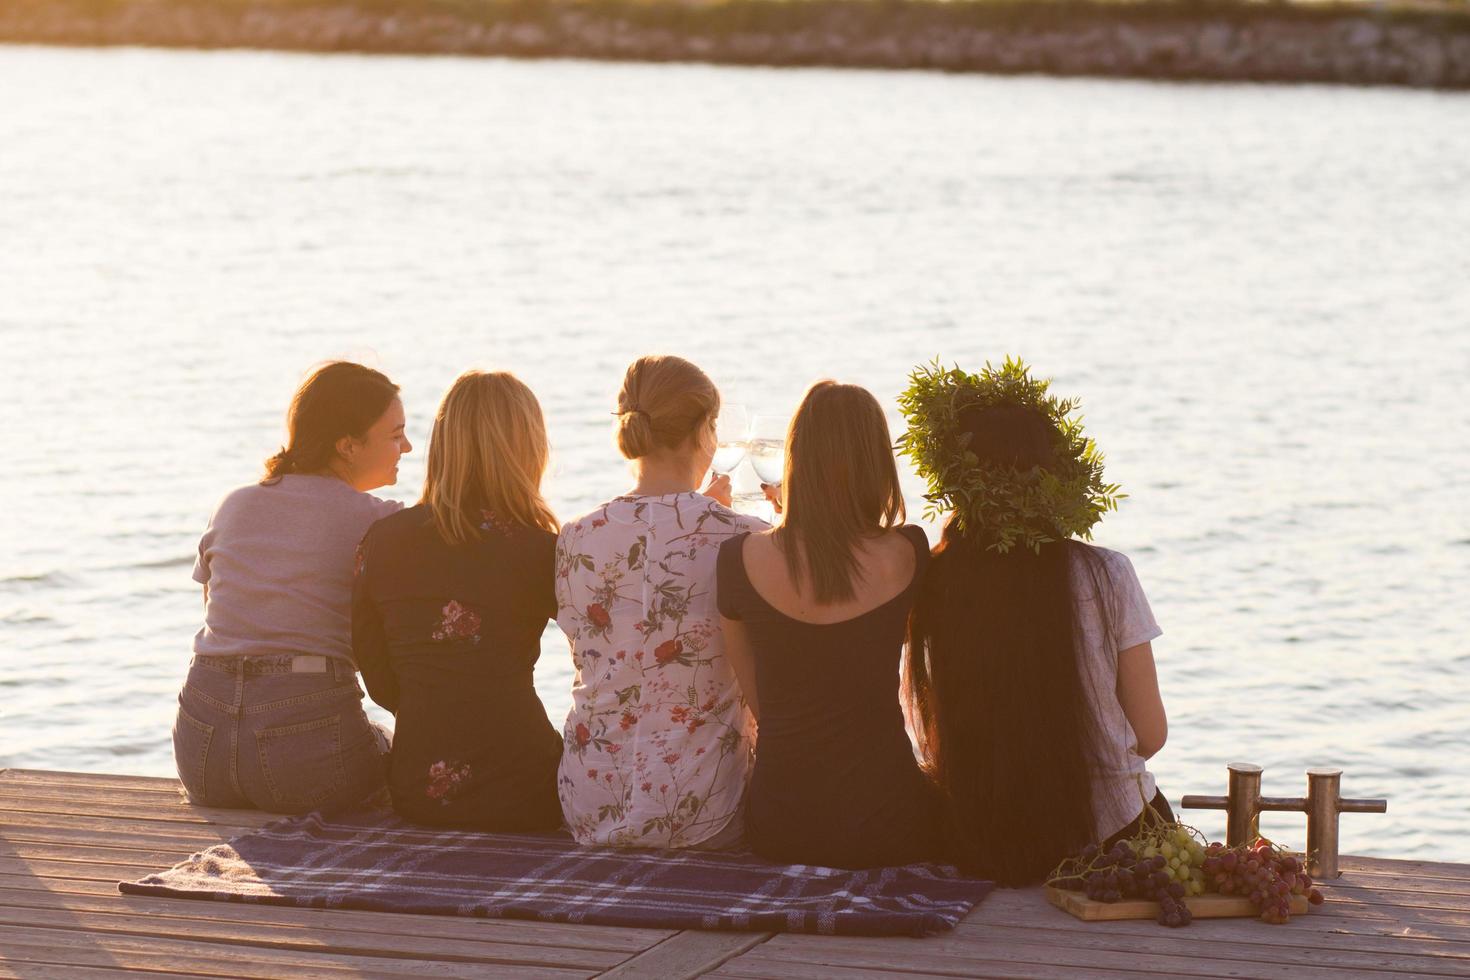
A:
(635, 433)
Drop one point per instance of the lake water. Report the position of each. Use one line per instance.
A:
(1261, 293)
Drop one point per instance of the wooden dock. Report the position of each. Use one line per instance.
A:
(67, 838)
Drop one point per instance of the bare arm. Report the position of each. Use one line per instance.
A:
(737, 648)
(1138, 693)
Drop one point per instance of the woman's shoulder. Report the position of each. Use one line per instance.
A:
(908, 541)
(397, 525)
(404, 518)
(1096, 569)
(297, 490)
(732, 548)
(1096, 556)
(596, 518)
(914, 534)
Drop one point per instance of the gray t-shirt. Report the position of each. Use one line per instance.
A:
(278, 561)
(1123, 781)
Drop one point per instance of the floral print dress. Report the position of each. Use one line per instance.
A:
(657, 746)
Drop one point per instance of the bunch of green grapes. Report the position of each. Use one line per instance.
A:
(1183, 851)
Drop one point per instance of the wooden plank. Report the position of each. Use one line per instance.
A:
(1080, 906)
(914, 955)
(1427, 869)
(89, 794)
(47, 971)
(40, 828)
(62, 947)
(624, 940)
(86, 778)
(1448, 923)
(1171, 942)
(1376, 935)
(161, 812)
(745, 969)
(1399, 883)
(157, 858)
(1337, 904)
(68, 788)
(228, 931)
(1399, 899)
(96, 871)
(688, 954)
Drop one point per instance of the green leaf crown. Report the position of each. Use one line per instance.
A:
(1001, 506)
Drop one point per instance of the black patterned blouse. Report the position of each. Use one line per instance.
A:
(447, 639)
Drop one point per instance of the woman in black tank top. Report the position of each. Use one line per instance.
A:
(835, 780)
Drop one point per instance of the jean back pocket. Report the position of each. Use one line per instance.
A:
(302, 763)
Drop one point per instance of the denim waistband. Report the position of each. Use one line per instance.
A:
(278, 663)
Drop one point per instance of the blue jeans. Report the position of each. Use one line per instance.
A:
(286, 734)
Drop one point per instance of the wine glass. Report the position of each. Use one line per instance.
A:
(768, 447)
(730, 440)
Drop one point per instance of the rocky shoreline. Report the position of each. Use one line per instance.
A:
(1222, 40)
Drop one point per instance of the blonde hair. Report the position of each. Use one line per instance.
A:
(487, 453)
(663, 401)
(840, 485)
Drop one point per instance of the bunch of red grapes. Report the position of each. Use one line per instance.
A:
(1262, 873)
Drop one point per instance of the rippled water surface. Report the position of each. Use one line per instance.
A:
(1261, 293)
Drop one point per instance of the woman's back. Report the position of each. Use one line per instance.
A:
(447, 637)
(1016, 650)
(657, 743)
(835, 780)
(277, 559)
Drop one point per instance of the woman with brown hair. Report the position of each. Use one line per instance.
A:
(271, 716)
(657, 743)
(450, 600)
(813, 613)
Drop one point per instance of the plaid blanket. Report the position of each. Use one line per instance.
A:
(376, 861)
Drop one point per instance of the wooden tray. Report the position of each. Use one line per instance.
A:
(1200, 906)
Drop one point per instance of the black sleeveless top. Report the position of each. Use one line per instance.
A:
(835, 780)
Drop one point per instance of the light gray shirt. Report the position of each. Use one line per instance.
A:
(278, 562)
(1122, 781)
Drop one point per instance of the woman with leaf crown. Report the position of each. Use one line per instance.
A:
(1029, 676)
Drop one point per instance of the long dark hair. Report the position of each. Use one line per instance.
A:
(338, 399)
(994, 684)
(840, 485)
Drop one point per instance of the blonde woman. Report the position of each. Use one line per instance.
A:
(657, 744)
(450, 600)
(814, 613)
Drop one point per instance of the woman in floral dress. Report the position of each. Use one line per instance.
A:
(450, 601)
(657, 746)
